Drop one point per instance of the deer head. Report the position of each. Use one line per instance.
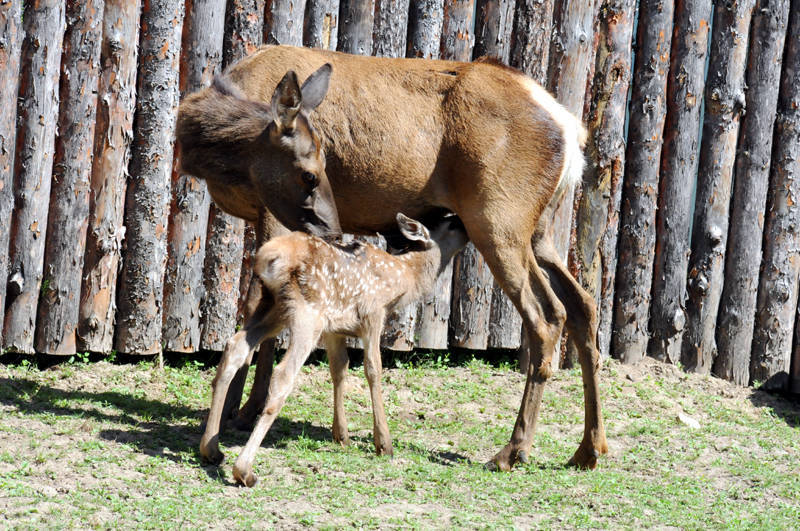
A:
(271, 150)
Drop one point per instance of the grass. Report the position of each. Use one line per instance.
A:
(101, 444)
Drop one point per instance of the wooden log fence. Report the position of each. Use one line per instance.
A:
(105, 245)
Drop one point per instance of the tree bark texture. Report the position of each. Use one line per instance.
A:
(434, 313)
(743, 256)
(458, 37)
(637, 233)
(530, 40)
(116, 102)
(59, 304)
(598, 212)
(147, 203)
(570, 55)
(777, 291)
(33, 165)
(425, 28)
(472, 300)
(283, 22)
(724, 103)
(356, 19)
(391, 24)
(505, 322)
(201, 56)
(679, 161)
(10, 48)
(794, 377)
(493, 27)
(321, 25)
(244, 29)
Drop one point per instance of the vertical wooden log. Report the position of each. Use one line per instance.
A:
(434, 313)
(321, 25)
(139, 318)
(794, 377)
(530, 40)
(678, 171)
(389, 40)
(458, 38)
(743, 256)
(425, 28)
(435, 309)
(10, 49)
(472, 300)
(283, 23)
(570, 55)
(493, 29)
(356, 19)
(116, 102)
(244, 30)
(38, 110)
(724, 103)
(780, 270)
(597, 218)
(72, 167)
(389, 32)
(637, 233)
(201, 56)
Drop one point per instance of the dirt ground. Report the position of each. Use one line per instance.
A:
(106, 444)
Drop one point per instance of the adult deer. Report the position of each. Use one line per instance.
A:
(392, 135)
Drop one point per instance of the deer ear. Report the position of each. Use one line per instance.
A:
(316, 86)
(412, 229)
(286, 101)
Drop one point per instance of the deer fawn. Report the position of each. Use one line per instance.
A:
(316, 288)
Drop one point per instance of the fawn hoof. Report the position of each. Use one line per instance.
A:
(341, 436)
(385, 450)
(245, 477)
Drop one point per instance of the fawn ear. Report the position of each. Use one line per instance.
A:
(315, 87)
(286, 101)
(413, 229)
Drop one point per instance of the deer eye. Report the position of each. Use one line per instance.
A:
(310, 179)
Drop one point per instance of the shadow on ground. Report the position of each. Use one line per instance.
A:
(783, 405)
(174, 431)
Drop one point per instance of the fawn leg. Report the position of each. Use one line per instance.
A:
(281, 384)
(372, 369)
(338, 361)
(237, 352)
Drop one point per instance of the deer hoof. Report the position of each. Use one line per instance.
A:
(214, 457)
(245, 477)
(585, 457)
(506, 459)
(522, 456)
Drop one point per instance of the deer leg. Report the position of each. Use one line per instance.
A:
(237, 354)
(303, 340)
(543, 315)
(373, 368)
(582, 326)
(338, 360)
